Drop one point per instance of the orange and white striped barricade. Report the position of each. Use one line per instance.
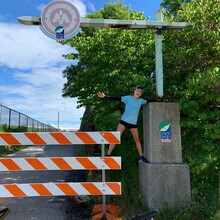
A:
(57, 138)
(59, 189)
(61, 163)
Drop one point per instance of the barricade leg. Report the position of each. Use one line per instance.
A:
(103, 180)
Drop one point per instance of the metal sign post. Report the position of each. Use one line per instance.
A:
(103, 180)
(159, 55)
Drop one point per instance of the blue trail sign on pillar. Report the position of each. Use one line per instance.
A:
(165, 132)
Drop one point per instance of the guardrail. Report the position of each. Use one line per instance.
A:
(61, 163)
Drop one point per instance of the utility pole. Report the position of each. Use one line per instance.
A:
(58, 125)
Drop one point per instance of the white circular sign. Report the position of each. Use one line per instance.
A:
(60, 20)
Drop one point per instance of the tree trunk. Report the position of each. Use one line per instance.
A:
(87, 125)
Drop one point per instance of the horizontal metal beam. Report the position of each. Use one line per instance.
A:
(29, 20)
(113, 23)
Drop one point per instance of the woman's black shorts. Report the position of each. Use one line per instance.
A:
(127, 125)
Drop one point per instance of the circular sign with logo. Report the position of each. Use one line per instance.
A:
(60, 20)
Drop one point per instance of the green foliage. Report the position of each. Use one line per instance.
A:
(200, 125)
(194, 49)
(2, 128)
(116, 10)
(5, 128)
(172, 6)
(110, 60)
(5, 150)
(192, 72)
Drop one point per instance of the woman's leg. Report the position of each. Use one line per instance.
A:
(120, 128)
(135, 134)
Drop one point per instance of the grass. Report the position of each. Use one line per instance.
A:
(217, 215)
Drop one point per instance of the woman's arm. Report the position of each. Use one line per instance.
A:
(102, 95)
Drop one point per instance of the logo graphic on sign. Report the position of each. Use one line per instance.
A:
(60, 20)
(165, 132)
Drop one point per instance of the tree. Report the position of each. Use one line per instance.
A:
(192, 77)
(110, 60)
(173, 6)
(191, 60)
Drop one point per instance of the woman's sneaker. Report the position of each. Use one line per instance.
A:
(143, 159)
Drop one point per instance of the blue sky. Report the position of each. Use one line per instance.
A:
(31, 64)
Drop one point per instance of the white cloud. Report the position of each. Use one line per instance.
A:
(35, 64)
(91, 6)
(27, 46)
(80, 6)
(41, 7)
(77, 3)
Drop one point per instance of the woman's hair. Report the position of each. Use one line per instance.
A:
(139, 87)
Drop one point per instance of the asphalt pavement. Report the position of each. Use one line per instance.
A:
(44, 208)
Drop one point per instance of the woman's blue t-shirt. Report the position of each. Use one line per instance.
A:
(132, 108)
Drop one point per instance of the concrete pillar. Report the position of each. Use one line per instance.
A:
(156, 150)
(165, 180)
